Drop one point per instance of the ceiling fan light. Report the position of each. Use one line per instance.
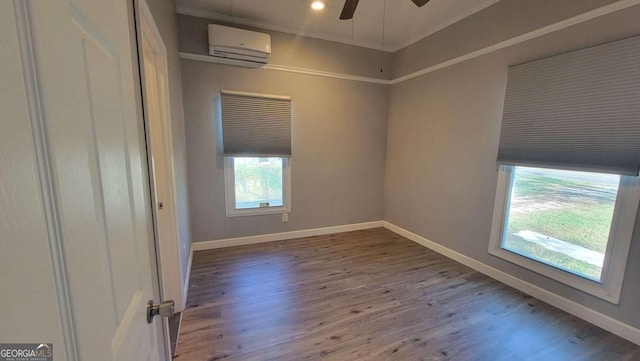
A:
(317, 5)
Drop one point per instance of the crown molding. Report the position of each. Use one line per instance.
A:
(590, 15)
(286, 68)
(563, 24)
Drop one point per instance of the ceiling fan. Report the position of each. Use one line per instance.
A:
(350, 7)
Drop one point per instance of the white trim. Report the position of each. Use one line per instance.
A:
(46, 178)
(171, 277)
(289, 69)
(145, 12)
(623, 4)
(221, 60)
(616, 254)
(272, 237)
(590, 15)
(601, 320)
(262, 25)
(610, 324)
(255, 95)
(326, 74)
(185, 289)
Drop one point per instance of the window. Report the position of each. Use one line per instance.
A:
(257, 185)
(255, 134)
(569, 159)
(571, 226)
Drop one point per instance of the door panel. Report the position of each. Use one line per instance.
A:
(30, 304)
(87, 81)
(109, 169)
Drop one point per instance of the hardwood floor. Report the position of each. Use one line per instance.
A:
(370, 295)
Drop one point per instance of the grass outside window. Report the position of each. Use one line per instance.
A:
(561, 218)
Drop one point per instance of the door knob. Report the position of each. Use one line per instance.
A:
(164, 309)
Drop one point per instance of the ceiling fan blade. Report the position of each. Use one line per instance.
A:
(420, 3)
(348, 9)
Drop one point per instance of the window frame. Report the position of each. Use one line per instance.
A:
(616, 254)
(230, 192)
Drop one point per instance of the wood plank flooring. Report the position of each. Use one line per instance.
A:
(370, 295)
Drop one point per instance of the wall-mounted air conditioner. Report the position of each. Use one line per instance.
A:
(238, 46)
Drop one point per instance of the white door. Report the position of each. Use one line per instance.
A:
(89, 98)
(156, 104)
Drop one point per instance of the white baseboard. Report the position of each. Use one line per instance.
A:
(241, 241)
(610, 324)
(185, 288)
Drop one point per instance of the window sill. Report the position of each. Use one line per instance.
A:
(257, 211)
(584, 284)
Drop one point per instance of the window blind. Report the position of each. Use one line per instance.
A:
(579, 110)
(257, 125)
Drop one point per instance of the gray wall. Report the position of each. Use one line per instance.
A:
(165, 17)
(442, 145)
(338, 161)
(296, 51)
(441, 138)
(339, 134)
(504, 20)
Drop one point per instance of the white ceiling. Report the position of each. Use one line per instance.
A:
(404, 22)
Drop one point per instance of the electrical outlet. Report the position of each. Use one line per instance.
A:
(285, 217)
